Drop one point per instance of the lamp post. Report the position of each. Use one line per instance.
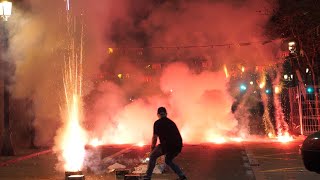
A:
(5, 13)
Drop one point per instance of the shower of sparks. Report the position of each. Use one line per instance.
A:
(73, 136)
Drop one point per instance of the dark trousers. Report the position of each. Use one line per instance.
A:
(156, 153)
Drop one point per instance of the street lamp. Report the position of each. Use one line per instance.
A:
(292, 47)
(5, 10)
(5, 13)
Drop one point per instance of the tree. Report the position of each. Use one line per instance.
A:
(299, 20)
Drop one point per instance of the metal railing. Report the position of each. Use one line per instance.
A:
(304, 111)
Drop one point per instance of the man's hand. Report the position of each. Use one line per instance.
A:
(154, 142)
(152, 148)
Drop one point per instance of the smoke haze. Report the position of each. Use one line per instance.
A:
(124, 112)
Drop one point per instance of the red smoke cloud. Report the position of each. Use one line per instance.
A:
(198, 103)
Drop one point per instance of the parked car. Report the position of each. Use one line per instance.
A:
(310, 152)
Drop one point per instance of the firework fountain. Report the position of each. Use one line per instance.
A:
(72, 137)
(281, 130)
(269, 128)
(281, 124)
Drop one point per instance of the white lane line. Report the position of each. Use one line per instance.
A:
(109, 158)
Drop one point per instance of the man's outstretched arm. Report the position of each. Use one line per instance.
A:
(154, 141)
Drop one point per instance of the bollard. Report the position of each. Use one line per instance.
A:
(75, 174)
(120, 173)
(133, 177)
(76, 177)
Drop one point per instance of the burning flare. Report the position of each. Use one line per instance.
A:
(284, 138)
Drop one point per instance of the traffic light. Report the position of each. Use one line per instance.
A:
(310, 90)
(243, 87)
(268, 91)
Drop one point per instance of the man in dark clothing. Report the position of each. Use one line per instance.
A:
(170, 144)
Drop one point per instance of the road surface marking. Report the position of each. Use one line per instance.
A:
(283, 169)
(280, 154)
(22, 158)
(109, 158)
(262, 157)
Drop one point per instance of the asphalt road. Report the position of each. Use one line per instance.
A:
(278, 161)
(243, 161)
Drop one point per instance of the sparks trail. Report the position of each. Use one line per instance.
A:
(269, 128)
(282, 126)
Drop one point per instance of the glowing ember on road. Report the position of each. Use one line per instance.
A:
(238, 139)
(270, 135)
(216, 139)
(96, 142)
(219, 140)
(285, 138)
(140, 144)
